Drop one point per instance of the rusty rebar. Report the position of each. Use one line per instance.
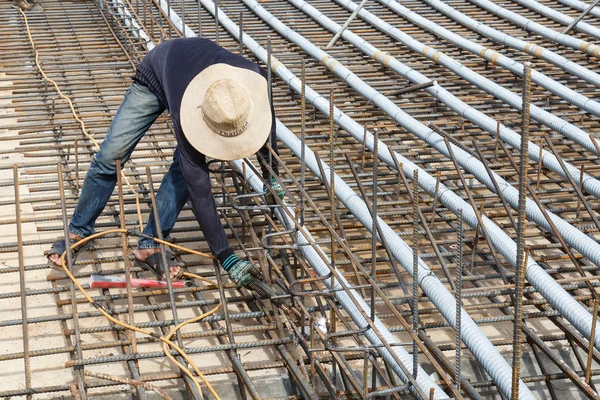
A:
(415, 269)
(127, 381)
(521, 265)
(458, 295)
(126, 260)
(21, 257)
(588, 368)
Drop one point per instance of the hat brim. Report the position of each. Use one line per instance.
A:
(207, 141)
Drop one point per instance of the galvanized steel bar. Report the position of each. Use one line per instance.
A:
(525, 23)
(424, 380)
(434, 289)
(552, 291)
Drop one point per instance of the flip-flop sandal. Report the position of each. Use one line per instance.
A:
(154, 264)
(59, 247)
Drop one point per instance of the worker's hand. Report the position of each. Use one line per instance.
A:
(243, 272)
(277, 189)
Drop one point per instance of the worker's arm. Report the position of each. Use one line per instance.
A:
(197, 180)
(195, 173)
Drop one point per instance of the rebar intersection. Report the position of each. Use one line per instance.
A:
(90, 50)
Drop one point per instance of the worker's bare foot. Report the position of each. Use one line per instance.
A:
(145, 256)
(55, 258)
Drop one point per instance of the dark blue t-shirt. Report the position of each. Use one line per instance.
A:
(166, 71)
(170, 67)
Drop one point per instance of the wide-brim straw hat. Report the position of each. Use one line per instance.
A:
(225, 112)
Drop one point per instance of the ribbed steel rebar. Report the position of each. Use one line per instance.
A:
(310, 96)
(580, 17)
(311, 251)
(506, 39)
(425, 382)
(581, 6)
(436, 292)
(560, 90)
(553, 192)
(537, 113)
(442, 94)
(521, 223)
(562, 18)
(459, 285)
(525, 23)
(552, 291)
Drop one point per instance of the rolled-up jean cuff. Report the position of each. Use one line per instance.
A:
(147, 244)
(78, 233)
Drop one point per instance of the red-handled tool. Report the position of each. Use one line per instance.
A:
(109, 282)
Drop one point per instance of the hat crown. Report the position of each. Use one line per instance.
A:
(203, 122)
(226, 107)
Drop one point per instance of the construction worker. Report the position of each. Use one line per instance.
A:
(220, 108)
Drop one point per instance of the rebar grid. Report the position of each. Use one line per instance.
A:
(79, 51)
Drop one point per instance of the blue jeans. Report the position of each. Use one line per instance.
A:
(139, 110)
